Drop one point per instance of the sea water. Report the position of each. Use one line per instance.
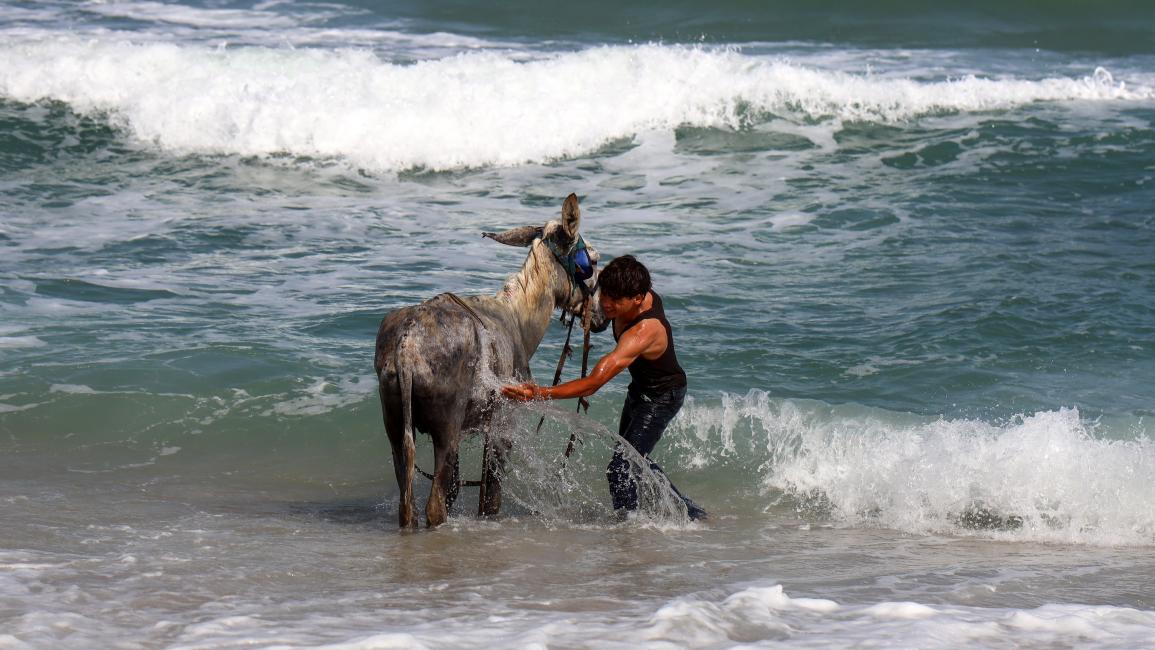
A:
(907, 254)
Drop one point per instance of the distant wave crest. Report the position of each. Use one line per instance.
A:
(471, 110)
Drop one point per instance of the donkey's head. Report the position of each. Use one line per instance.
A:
(561, 259)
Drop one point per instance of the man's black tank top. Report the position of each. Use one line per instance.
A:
(662, 374)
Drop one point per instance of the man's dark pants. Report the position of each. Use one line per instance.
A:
(644, 419)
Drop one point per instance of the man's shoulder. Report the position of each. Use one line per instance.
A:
(649, 330)
(644, 328)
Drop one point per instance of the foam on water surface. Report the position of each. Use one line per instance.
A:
(759, 614)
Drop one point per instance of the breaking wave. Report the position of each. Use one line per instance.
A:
(474, 109)
(1049, 476)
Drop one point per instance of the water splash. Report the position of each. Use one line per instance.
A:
(573, 489)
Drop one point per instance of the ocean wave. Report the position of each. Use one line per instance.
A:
(476, 109)
(1048, 476)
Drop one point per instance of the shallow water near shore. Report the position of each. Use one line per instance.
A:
(186, 566)
(906, 255)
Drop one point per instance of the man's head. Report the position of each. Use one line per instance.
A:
(624, 277)
(623, 282)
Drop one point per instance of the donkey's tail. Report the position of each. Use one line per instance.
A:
(395, 375)
(405, 394)
(395, 379)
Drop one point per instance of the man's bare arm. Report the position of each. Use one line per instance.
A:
(635, 342)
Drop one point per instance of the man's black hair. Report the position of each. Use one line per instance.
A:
(624, 277)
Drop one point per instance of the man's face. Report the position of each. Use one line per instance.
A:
(614, 307)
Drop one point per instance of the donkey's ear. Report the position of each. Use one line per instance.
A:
(522, 236)
(571, 216)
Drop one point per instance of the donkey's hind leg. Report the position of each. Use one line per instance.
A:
(453, 486)
(492, 471)
(444, 489)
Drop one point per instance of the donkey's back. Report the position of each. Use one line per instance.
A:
(438, 346)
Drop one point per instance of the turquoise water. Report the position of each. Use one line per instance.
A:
(907, 255)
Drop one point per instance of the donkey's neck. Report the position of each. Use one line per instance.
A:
(531, 295)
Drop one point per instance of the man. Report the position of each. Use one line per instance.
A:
(645, 345)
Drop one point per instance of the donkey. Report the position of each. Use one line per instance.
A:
(438, 363)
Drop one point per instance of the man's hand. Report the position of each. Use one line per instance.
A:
(522, 392)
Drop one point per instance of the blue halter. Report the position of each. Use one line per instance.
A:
(577, 262)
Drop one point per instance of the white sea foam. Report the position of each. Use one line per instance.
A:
(1042, 477)
(761, 615)
(72, 389)
(9, 408)
(15, 342)
(475, 109)
(324, 396)
(191, 16)
(910, 611)
(275, 24)
(755, 615)
(767, 613)
(786, 221)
